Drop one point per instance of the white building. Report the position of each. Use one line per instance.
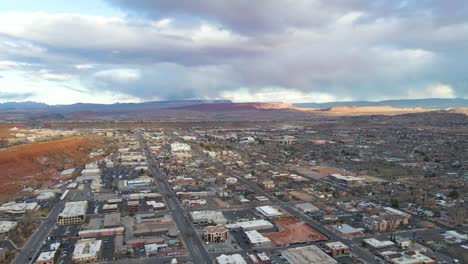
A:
(268, 211)
(210, 217)
(251, 225)
(46, 257)
(256, 239)
(180, 147)
(230, 259)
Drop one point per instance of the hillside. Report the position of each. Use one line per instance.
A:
(430, 103)
(236, 106)
(39, 164)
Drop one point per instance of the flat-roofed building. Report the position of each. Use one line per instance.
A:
(87, 251)
(209, 217)
(268, 211)
(307, 208)
(347, 231)
(256, 239)
(73, 213)
(230, 259)
(112, 220)
(47, 257)
(337, 248)
(251, 225)
(377, 244)
(307, 255)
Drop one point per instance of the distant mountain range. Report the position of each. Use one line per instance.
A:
(219, 109)
(432, 103)
(117, 107)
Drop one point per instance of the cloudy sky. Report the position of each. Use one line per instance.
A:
(105, 51)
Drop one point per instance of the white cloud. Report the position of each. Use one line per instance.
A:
(119, 75)
(277, 94)
(84, 66)
(432, 91)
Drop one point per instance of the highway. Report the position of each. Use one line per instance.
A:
(194, 245)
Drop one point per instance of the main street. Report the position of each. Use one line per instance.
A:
(32, 247)
(194, 245)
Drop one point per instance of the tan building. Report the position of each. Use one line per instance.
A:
(215, 234)
(268, 184)
(337, 249)
(73, 213)
(87, 251)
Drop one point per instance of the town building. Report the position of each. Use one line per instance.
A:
(337, 249)
(256, 239)
(87, 251)
(308, 254)
(47, 257)
(268, 211)
(307, 208)
(73, 213)
(347, 231)
(215, 234)
(230, 259)
(251, 225)
(208, 217)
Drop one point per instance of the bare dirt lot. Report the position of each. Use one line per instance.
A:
(293, 231)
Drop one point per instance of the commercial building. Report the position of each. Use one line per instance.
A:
(67, 173)
(208, 217)
(347, 180)
(87, 251)
(230, 259)
(347, 231)
(309, 254)
(268, 184)
(268, 211)
(73, 213)
(180, 147)
(112, 220)
(375, 244)
(143, 181)
(407, 257)
(109, 208)
(101, 232)
(251, 225)
(307, 208)
(256, 239)
(215, 234)
(47, 257)
(133, 206)
(337, 248)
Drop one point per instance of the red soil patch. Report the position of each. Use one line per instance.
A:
(292, 231)
(40, 163)
(5, 130)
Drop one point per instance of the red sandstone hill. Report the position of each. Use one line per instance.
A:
(236, 106)
(37, 164)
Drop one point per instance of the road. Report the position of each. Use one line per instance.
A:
(32, 247)
(195, 247)
(360, 253)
